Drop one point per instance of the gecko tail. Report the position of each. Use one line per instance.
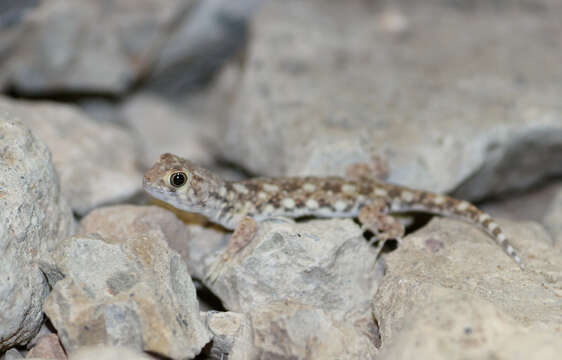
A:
(463, 210)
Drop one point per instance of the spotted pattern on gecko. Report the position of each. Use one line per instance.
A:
(192, 188)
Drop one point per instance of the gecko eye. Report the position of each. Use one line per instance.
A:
(178, 179)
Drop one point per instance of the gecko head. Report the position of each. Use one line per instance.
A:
(181, 183)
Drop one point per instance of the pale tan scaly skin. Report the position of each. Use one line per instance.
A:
(228, 203)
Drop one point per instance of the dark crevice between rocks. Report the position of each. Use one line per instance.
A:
(206, 296)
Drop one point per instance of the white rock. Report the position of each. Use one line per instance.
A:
(97, 163)
(323, 263)
(107, 352)
(450, 284)
(165, 129)
(320, 95)
(33, 218)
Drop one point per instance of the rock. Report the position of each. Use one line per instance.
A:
(193, 242)
(320, 95)
(232, 336)
(97, 163)
(106, 352)
(321, 263)
(553, 218)
(289, 330)
(134, 292)
(474, 328)
(12, 354)
(450, 284)
(34, 217)
(47, 347)
(88, 47)
(214, 33)
(174, 131)
(531, 205)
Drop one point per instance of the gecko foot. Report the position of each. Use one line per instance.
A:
(243, 234)
(376, 170)
(382, 225)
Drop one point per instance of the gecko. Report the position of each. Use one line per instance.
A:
(238, 205)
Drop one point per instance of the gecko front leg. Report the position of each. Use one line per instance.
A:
(374, 217)
(241, 237)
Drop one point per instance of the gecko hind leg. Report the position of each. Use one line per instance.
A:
(373, 217)
(241, 237)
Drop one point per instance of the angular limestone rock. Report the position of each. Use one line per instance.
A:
(320, 95)
(450, 284)
(105, 352)
(232, 335)
(34, 217)
(47, 347)
(474, 328)
(165, 129)
(97, 163)
(289, 330)
(322, 263)
(193, 242)
(553, 218)
(134, 292)
(87, 46)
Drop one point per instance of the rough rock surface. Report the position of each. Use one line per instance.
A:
(322, 263)
(450, 285)
(193, 242)
(320, 95)
(97, 163)
(132, 291)
(33, 219)
(290, 330)
(164, 129)
(47, 347)
(471, 327)
(553, 218)
(212, 34)
(106, 352)
(232, 335)
(88, 46)
(12, 354)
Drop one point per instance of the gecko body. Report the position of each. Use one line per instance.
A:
(192, 188)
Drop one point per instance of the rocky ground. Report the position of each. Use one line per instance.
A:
(458, 97)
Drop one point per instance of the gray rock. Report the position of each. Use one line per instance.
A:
(34, 217)
(12, 354)
(320, 95)
(165, 129)
(450, 285)
(322, 263)
(88, 47)
(107, 352)
(289, 330)
(132, 291)
(553, 217)
(214, 33)
(97, 163)
(232, 336)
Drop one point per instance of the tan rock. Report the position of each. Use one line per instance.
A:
(133, 291)
(47, 347)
